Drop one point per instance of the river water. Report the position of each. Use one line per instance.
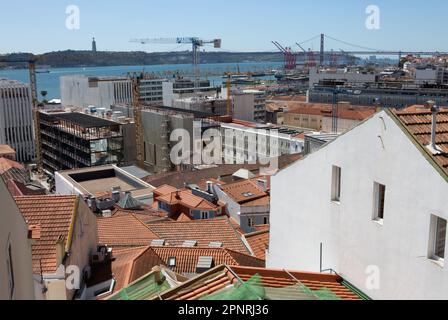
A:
(50, 81)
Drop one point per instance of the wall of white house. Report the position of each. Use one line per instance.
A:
(303, 215)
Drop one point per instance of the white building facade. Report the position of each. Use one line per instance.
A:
(369, 205)
(101, 92)
(16, 119)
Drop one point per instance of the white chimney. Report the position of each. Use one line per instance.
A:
(434, 110)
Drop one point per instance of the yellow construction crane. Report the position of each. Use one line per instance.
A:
(137, 111)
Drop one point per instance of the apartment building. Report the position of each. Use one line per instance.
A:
(101, 92)
(249, 105)
(16, 119)
(376, 95)
(346, 75)
(16, 273)
(370, 205)
(252, 141)
(77, 140)
(181, 88)
(65, 239)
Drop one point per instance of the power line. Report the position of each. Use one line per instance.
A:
(351, 44)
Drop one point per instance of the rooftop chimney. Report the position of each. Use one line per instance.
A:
(210, 187)
(434, 110)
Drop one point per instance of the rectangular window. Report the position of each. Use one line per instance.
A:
(438, 238)
(250, 222)
(336, 184)
(204, 215)
(10, 272)
(379, 197)
(265, 220)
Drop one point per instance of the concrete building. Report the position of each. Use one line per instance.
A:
(371, 205)
(249, 135)
(181, 88)
(249, 105)
(211, 104)
(158, 125)
(95, 183)
(16, 273)
(65, 241)
(434, 75)
(16, 119)
(77, 140)
(376, 95)
(101, 92)
(151, 91)
(346, 75)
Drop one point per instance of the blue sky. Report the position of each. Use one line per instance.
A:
(244, 25)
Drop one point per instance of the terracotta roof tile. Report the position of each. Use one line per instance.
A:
(243, 191)
(187, 199)
(259, 243)
(187, 258)
(417, 121)
(53, 214)
(124, 230)
(202, 231)
(6, 150)
(289, 282)
(7, 164)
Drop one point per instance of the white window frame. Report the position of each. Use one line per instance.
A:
(336, 180)
(250, 222)
(376, 202)
(434, 232)
(205, 214)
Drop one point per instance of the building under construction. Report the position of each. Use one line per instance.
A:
(77, 140)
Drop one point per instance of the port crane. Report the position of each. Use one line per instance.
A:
(35, 104)
(196, 43)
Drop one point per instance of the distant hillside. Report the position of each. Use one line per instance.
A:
(70, 58)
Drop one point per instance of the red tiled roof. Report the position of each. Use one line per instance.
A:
(124, 230)
(326, 110)
(187, 199)
(202, 184)
(222, 277)
(7, 164)
(54, 216)
(238, 190)
(202, 231)
(259, 242)
(6, 150)
(417, 121)
(164, 190)
(187, 258)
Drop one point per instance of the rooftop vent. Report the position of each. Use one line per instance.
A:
(248, 194)
(204, 264)
(215, 245)
(157, 243)
(190, 243)
(434, 110)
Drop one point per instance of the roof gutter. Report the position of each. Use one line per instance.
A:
(72, 226)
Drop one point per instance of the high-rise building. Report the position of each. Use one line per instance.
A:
(16, 118)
